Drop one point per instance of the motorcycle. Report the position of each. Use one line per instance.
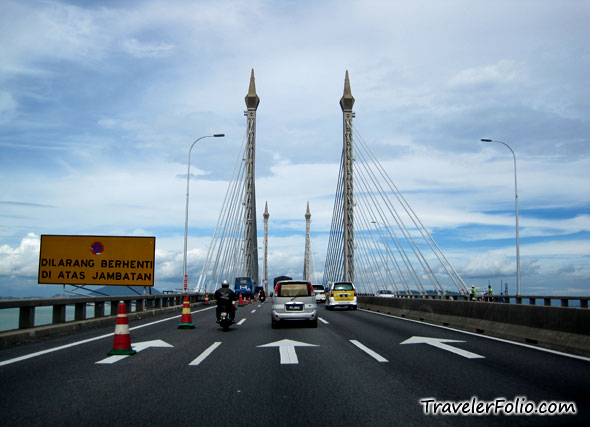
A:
(225, 320)
(262, 297)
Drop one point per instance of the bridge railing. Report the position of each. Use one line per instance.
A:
(563, 301)
(135, 304)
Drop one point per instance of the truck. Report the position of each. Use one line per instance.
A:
(244, 286)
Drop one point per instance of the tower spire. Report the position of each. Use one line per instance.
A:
(347, 100)
(252, 99)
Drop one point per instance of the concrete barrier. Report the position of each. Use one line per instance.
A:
(559, 328)
(18, 336)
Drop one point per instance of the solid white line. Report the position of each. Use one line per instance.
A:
(63, 347)
(204, 354)
(370, 352)
(323, 321)
(241, 321)
(546, 350)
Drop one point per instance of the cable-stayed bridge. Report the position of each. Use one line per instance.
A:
(395, 361)
(376, 239)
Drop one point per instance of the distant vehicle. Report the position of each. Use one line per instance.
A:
(385, 293)
(320, 293)
(341, 294)
(294, 300)
(244, 286)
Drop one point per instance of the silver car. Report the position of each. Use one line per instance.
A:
(294, 300)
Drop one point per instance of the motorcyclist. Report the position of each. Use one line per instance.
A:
(225, 298)
(262, 295)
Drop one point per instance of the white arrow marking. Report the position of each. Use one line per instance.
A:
(440, 343)
(370, 352)
(137, 347)
(287, 350)
(206, 353)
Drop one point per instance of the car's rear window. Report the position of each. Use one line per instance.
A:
(343, 286)
(294, 290)
(318, 288)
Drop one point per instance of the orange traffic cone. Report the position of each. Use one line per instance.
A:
(240, 301)
(207, 298)
(122, 341)
(186, 320)
(249, 300)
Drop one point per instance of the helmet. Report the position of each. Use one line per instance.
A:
(224, 284)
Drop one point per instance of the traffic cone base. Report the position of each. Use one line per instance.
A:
(186, 320)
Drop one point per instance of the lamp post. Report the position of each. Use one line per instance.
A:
(516, 209)
(188, 176)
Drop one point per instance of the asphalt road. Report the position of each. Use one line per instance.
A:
(356, 370)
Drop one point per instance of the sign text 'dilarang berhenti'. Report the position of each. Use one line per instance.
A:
(97, 260)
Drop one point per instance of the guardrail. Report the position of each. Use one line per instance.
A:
(562, 301)
(134, 303)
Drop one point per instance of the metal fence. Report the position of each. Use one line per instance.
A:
(103, 307)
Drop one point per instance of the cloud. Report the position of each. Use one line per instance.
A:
(22, 260)
(97, 124)
(147, 49)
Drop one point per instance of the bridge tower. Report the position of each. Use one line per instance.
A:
(346, 103)
(265, 274)
(250, 233)
(307, 261)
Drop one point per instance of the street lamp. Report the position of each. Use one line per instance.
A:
(516, 209)
(188, 176)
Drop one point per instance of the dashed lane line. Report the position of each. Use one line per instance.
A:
(206, 353)
(370, 352)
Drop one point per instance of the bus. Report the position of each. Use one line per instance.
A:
(244, 286)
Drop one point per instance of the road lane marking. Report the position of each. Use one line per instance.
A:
(287, 350)
(440, 343)
(63, 347)
(241, 321)
(546, 350)
(140, 346)
(253, 311)
(323, 321)
(206, 353)
(370, 352)
(112, 359)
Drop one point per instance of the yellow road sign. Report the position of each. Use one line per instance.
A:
(97, 260)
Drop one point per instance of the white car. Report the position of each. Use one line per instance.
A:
(320, 293)
(385, 293)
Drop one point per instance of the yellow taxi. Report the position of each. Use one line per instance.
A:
(341, 294)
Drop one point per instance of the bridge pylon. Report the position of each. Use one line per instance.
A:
(346, 104)
(250, 232)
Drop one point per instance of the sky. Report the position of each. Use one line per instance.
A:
(101, 100)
